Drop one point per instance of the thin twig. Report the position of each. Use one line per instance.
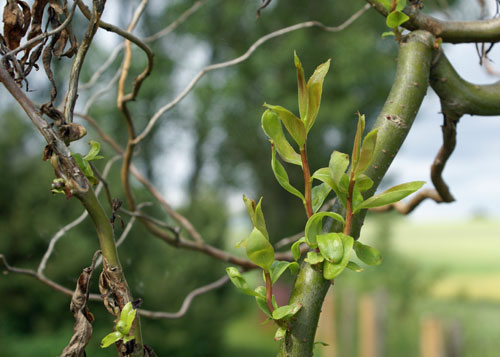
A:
(408, 207)
(72, 95)
(184, 16)
(449, 143)
(97, 297)
(242, 58)
(187, 301)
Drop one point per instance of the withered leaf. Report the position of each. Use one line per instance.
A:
(82, 329)
(16, 20)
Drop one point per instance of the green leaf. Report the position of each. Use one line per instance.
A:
(319, 194)
(280, 334)
(367, 153)
(111, 338)
(256, 215)
(286, 311)
(363, 183)
(314, 90)
(367, 254)
(331, 246)
(273, 129)
(85, 167)
(95, 147)
(314, 226)
(394, 194)
(337, 166)
(239, 281)
(396, 19)
(314, 258)
(128, 338)
(323, 175)
(261, 301)
(332, 270)
(279, 267)
(357, 139)
(296, 248)
(387, 4)
(121, 327)
(293, 125)
(401, 4)
(127, 316)
(282, 176)
(302, 90)
(259, 250)
(388, 33)
(354, 267)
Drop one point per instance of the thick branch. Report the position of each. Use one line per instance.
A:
(393, 125)
(449, 31)
(460, 97)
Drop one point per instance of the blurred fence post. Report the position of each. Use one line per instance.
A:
(347, 332)
(367, 326)
(431, 338)
(327, 331)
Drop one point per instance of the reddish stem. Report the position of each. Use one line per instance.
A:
(307, 181)
(348, 213)
(269, 292)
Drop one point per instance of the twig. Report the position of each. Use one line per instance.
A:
(97, 297)
(187, 301)
(42, 278)
(184, 16)
(71, 96)
(242, 58)
(407, 208)
(181, 19)
(449, 143)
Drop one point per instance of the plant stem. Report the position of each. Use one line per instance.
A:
(348, 212)
(393, 123)
(269, 291)
(307, 181)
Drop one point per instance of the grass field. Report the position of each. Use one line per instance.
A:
(467, 253)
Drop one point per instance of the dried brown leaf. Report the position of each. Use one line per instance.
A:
(16, 20)
(82, 329)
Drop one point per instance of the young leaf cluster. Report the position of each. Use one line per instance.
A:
(122, 327)
(260, 251)
(84, 161)
(330, 252)
(396, 17)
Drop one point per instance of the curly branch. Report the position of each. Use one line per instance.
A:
(240, 59)
(71, 96)
(408, 207)
(187, 301)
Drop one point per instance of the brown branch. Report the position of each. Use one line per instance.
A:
(449, 143)
(187, 301)
(97, 297)
(240, 59)
(72, 95)
(408, 207)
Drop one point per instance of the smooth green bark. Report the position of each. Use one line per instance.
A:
(394, 123)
